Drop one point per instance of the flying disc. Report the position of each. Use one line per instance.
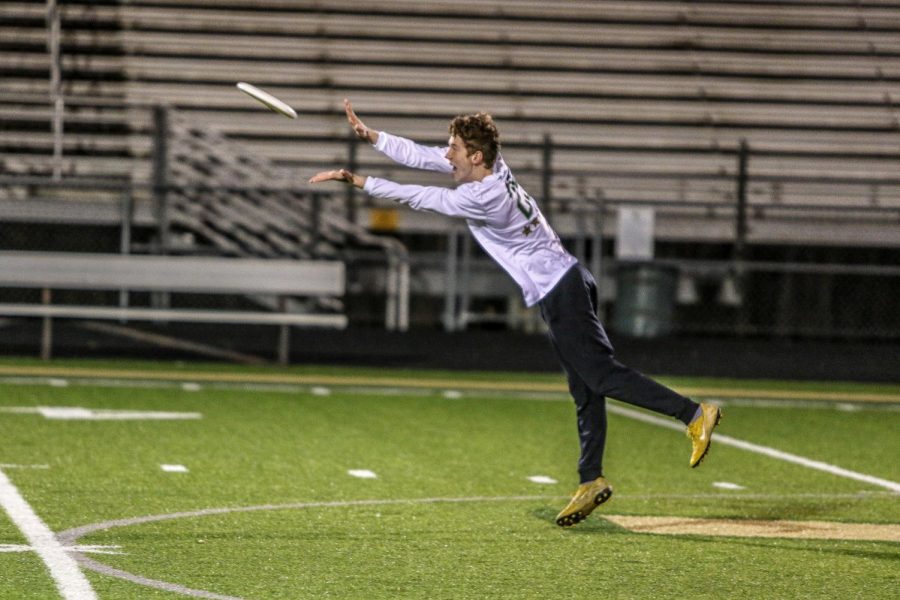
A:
(267, 99)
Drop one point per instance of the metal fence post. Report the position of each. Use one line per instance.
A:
(450, 286)
(740, 235)
(740, 239)
(465, 284)
(46, 327)
(125, 235)
(352, 164)
(161, 190)
(316, 218)
(160, 175)
(54, 27)
(284, 335)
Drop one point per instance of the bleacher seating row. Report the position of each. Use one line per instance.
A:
(645, 101)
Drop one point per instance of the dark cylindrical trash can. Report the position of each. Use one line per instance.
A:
(645, 299)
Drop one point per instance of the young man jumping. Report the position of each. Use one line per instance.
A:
(508, 224)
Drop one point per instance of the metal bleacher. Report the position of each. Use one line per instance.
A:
(644, 101)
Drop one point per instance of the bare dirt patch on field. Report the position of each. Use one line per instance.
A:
(826, 530)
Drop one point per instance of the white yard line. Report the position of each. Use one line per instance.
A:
(77, 413)
(758, 449)
(70, 581)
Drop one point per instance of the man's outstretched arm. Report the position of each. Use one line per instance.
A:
(340, 175)
(452, 203)
(399, 149)
(362, 131)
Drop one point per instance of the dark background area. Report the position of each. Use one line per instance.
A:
(482, 350)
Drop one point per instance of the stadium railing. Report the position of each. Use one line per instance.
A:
(49, 271)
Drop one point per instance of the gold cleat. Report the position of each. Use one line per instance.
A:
(700, 431)
(587, 497)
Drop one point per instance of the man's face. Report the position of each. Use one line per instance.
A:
(463, 163)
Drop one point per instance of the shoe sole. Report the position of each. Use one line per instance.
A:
(706, 450)
(580, 515)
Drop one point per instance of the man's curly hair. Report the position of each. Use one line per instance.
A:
(478, 132)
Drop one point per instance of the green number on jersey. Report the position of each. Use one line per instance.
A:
(524, 202)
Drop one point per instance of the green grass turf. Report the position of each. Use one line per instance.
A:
(269, 447)
(22, 574)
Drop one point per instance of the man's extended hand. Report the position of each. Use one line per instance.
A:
(362, 132)
(339, 175)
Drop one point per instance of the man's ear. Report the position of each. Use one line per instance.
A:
(477, 157)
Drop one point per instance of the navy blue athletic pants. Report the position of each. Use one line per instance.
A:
(586, 355)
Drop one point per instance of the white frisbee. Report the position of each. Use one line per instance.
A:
(268, 99)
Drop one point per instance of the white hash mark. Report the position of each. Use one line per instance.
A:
(174, 468)
(362, 473)
(542, 479)
(727, 485)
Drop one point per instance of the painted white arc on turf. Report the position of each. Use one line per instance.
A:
(70, 581)
(71, 536)
(764, 450)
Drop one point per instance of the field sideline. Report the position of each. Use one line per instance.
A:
(320, 375)
(164, 480)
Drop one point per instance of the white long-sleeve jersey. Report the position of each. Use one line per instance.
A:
(502, 217)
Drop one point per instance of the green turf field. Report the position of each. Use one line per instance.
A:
(268, 508)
